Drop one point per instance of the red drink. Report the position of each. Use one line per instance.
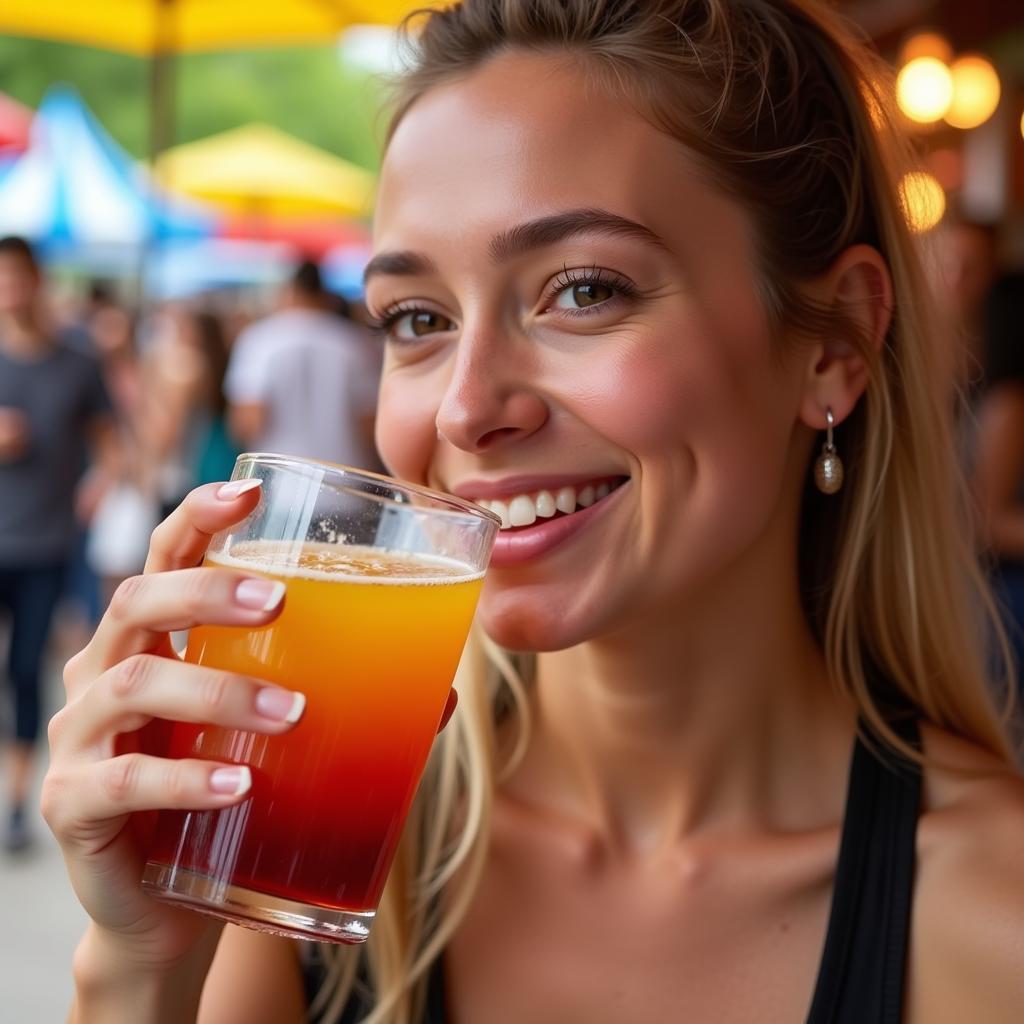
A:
(373, 640)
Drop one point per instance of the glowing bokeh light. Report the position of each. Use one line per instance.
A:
(922, 199)
(926, 44)
(924, 89)
(976, 91)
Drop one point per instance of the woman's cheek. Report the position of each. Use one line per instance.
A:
(639, 400)
(406, 431)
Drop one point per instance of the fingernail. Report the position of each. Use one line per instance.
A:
(280, 705)
(259, 595)
(231, 781)
(236, 488)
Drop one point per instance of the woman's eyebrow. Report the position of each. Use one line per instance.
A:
(398, 264)
(533, 234)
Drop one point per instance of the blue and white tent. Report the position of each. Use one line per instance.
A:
(74, 188)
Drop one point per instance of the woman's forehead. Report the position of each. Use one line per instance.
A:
(526, 135)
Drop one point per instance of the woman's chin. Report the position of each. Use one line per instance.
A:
(517, 624)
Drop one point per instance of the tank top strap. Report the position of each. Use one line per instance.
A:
(436, 1010)
(863, 965)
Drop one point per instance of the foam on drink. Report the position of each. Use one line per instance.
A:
(356, 563)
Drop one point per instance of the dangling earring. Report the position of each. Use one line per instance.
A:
(828, 470)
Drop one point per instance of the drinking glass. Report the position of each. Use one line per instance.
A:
(382, 581)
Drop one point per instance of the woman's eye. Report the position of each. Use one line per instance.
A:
(418, 324)
(583, 294)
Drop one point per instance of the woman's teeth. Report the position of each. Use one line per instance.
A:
(526, 509)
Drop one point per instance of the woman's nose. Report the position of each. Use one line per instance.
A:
(488, 403)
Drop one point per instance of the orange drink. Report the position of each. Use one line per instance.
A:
(373, 639)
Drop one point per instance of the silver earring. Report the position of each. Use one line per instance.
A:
(828, 470)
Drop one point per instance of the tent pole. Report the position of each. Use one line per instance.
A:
(162, 81)
(162, 110)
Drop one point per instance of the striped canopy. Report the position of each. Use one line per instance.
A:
(75, 187)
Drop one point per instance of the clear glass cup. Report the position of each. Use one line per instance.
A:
(382, 581)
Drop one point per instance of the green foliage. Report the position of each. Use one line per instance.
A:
(306, 91)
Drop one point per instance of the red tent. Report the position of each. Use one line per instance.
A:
(312, 237)
(15, 126)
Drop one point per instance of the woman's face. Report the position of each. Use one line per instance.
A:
(572, 311)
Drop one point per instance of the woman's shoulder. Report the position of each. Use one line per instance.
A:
(971, 832)
(967, 954)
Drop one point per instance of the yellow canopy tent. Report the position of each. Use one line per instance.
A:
(152, 27)
(159, 29)
(258, 169)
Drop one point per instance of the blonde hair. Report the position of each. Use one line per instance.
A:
(789, 114)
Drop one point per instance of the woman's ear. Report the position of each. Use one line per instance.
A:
(858, 288)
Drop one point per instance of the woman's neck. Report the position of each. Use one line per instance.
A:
(715, 714)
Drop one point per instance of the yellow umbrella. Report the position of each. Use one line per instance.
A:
(161, 28)
(259, 169)
(151, 27)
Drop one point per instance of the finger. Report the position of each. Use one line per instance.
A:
(78, 802)
(144, 609)
(145, 687)
(182, 538)
(449, 708)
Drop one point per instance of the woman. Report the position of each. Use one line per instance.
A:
(635, 258)
(184, 372)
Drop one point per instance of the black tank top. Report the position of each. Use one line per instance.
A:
(861, 973)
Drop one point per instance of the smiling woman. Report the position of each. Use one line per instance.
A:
(623, 275)
(726, 746)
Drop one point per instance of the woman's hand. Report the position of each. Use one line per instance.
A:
(129, 676)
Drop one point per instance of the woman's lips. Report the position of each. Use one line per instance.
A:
(515, 547)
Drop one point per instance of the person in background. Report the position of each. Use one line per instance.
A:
(183, 370)
(303, 381)
(112, 331)
(998, 467)
(217, 450)
(53, 405)
(983, 312)
(99, 302)
(966, 258)
(125, 516)
(105, 330)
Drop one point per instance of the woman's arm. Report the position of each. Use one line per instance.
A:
(110, 991)
(255, 979)
(999, 470)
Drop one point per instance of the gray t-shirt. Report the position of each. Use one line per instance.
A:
(317, 376)
(62, 395)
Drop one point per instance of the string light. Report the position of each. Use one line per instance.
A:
(926, 44)
(924, 89)
(922, 199)
(976, 91)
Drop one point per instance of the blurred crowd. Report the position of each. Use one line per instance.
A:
(110, 415)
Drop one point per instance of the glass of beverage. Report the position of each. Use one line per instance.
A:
(382, 581)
